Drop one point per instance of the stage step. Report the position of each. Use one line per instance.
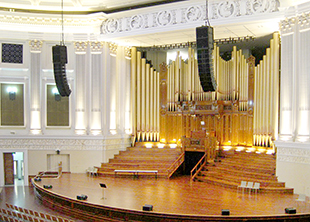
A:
(141, 158)
(235, 167)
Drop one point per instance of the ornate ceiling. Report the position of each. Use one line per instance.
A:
(139, 22)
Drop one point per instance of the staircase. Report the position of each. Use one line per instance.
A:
(235, 167)
(141, 158)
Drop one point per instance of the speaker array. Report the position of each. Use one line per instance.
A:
(205, 41)
(59, 63)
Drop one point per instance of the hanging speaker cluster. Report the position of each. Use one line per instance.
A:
(59, 62)
(204, 42)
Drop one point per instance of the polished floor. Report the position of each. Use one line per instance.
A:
(176, 196)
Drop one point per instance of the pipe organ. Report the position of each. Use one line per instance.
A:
(242, 111)
(145, 99)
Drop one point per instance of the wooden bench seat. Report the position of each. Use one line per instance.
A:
(136, 172)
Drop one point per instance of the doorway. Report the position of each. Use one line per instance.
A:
(191, 159)
(13, 168)
(18, 158)
(8, 162)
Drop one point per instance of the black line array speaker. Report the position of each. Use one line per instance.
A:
(205, 41)
(81, 197)
(290, 210)
(147, 207)
(225, 212)
(59, 63)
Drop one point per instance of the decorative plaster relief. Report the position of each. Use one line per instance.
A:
(195, 13)
(63, 144)
(287, 25)
(80, 47)
(96, 47)
(295, 155)
(35, 46)
(304, 21)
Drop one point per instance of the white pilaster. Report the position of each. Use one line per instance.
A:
(81, 92)
(35, 95)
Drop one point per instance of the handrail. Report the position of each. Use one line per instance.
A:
(59, 172)
(176, 164)
(200, 165)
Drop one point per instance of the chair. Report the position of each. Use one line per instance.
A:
(48, 217)
(36, 213)
(301, 198)
(250, 186)
(94, 172)
(5, 218)
(31, 212)
(26, 211)
(19, 215)
(7, 205)
(30, 218)
(89, 170)
(54, 218)
(42, 215)
(242, 185)
(4, 211)
(256, 187)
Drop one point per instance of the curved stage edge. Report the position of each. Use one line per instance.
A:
(84, 210)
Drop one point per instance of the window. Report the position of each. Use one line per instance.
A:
(57, 107)
(12, 104)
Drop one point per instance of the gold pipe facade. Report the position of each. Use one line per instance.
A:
(242, 111)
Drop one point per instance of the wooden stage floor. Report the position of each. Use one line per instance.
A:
(174, 196)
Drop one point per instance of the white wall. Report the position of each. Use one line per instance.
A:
(293, 166)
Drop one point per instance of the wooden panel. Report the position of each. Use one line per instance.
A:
(8, 168)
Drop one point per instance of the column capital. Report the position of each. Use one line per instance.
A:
(113, 48)
(80, 47)
(35, 46)
(96, 47)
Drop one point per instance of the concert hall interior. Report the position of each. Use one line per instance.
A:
(152, 110)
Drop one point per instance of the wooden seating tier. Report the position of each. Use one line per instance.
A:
(242, 166)
(141, 158)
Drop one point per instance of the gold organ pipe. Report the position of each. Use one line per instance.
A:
(268, 84)
(157, 108)
(133, 91)
(275, 75)
(138, 95)
(193, 75)
(147, 102)
(189, 78)
(143, 88)
(152, 104)
(177, 80)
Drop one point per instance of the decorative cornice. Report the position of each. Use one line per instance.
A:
(188, 15)
(49, 20)
(35, 46)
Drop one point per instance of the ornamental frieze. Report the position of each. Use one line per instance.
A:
(295, 155)
(195, 13)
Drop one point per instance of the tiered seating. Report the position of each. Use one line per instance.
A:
(142, 159)
(242, 166)
(19, 214)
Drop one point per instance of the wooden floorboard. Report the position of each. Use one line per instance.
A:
(174, 196)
